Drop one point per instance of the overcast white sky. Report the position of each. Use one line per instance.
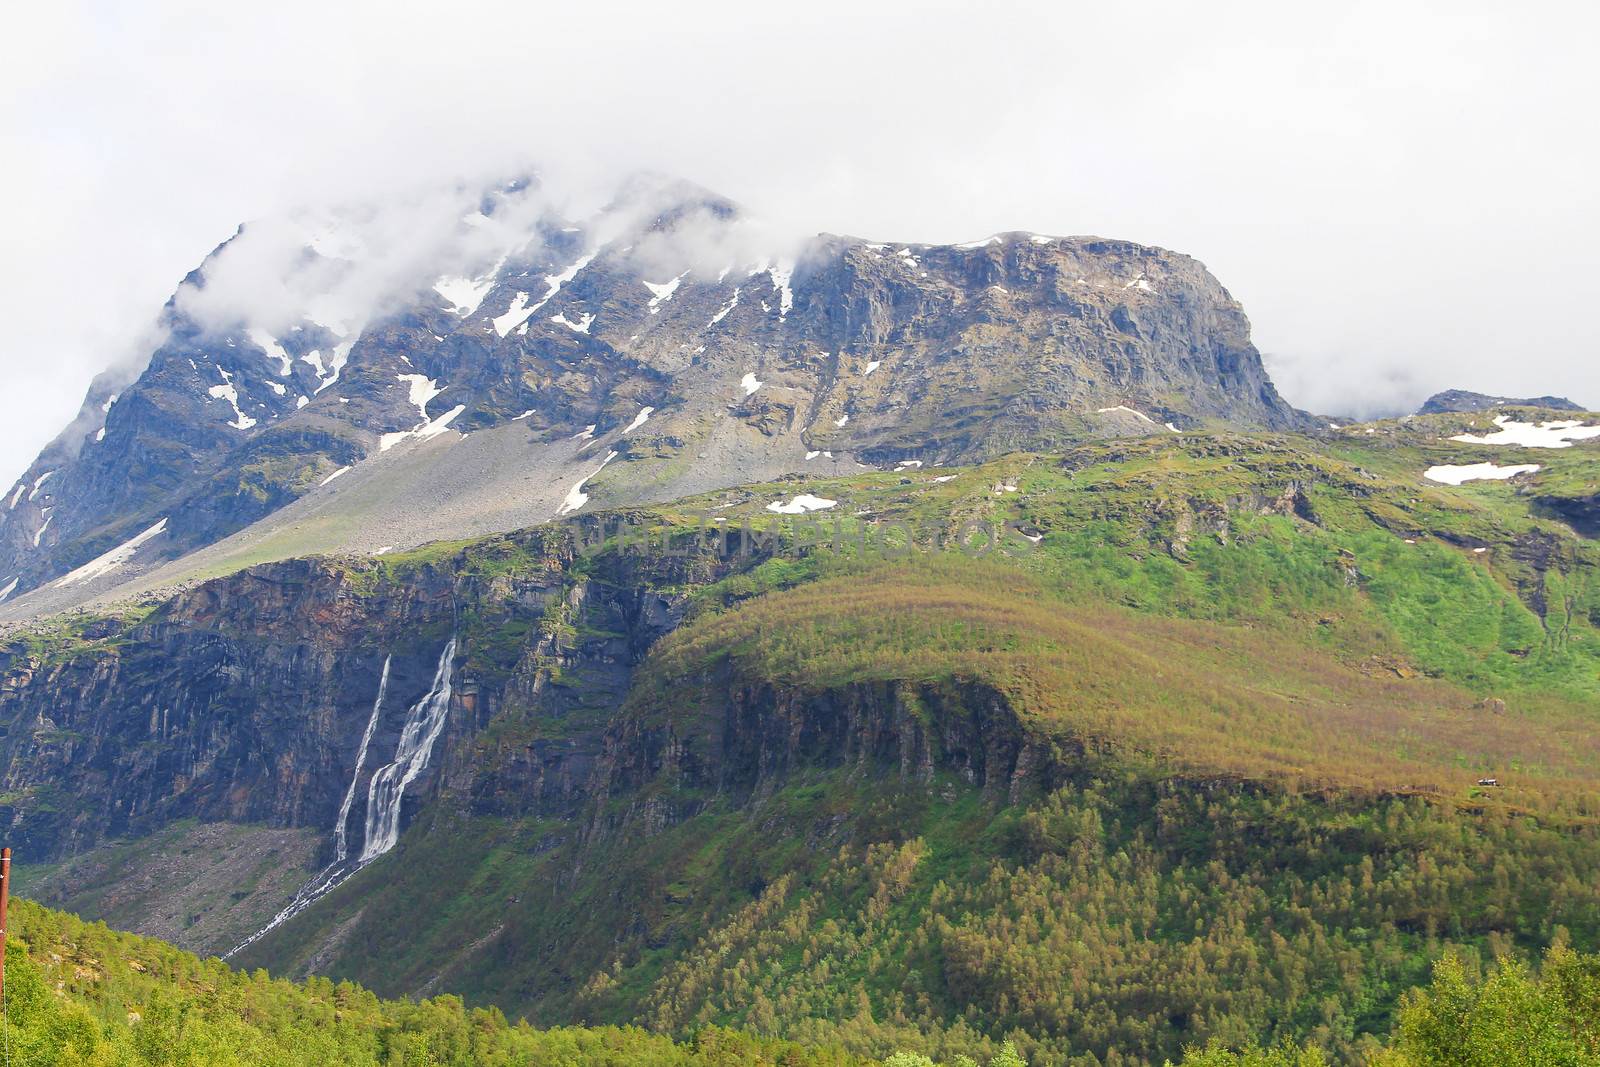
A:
(1402, 194)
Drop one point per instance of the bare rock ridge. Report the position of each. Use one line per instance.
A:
(1453, 401)
(662, 329)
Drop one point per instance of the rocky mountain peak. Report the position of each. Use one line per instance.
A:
(333, 360)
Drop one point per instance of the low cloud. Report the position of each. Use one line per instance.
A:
(1395, 191)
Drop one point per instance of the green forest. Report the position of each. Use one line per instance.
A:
(80, 995)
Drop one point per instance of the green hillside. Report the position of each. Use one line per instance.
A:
(1149, 745)
(78, 994)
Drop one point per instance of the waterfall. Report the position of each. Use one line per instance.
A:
(423, 723)
(340, 846)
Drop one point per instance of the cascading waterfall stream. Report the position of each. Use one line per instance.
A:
(388, 786)
(424, 722)
(340, 842)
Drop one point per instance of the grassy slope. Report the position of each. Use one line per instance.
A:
(1333, 652)
(79, 994)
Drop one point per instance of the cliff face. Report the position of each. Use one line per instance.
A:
(242, 701)
(253, 702)
(654, 330)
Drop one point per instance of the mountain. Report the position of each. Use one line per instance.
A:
(627, 619)
(322, 385)
(1112, 750)
(1460, 400)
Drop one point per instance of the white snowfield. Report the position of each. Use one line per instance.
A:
(421, 390)
(638, 420)
(464, 294)
(581, 326)
(749, 383)
(554, 282)
(1560, 434)
(1125, 409)
(269, 344)
(515, 315)
(732, 303)
(781, 275)
(226, 391)
(10, 588)
(661, 292)
(1473, 472)
(111, 560)
(801, 504)
(576, 497)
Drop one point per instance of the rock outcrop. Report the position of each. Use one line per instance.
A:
(1460, 400)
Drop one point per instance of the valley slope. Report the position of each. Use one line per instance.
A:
(1109, 750)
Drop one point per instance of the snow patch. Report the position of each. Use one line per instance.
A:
(576, 497)
(37, 485)
(1127, 410)
(331, 477)
(662, 292)
(581, 326)
(226, 391)
(437, 426)
(991, 240)
(801, 504)
(1533, 435)
(729, 306)
(841, 420)
(515, 315)
(874, 365)
(112, 560)
(555, 282)
(749, 383)
(9, 589)
(39, 536)
(525, 414)
(638, 420)
(269, 344)
(465, 294)
(781, 275)
(1472, 472)
(421, 390)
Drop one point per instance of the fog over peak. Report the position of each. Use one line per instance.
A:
(1397, 193)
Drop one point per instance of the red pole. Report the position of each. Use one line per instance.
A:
(5, 900)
